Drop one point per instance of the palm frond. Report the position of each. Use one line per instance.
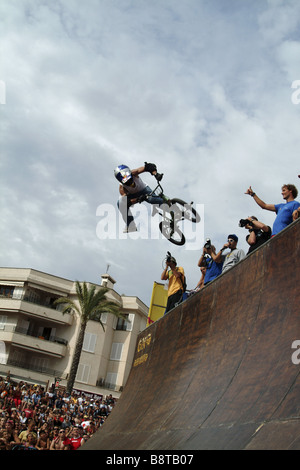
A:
(69, 305)
(92, 303)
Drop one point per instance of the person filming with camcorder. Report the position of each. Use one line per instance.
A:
(259, 233)
(175, 275)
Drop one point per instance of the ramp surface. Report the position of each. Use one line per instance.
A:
(217, 371)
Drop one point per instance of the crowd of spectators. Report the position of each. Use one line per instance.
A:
(32, 418)
(212, 264)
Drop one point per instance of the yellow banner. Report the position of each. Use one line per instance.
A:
(158, 302)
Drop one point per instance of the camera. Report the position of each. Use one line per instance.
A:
(169, 257)
(206, 260)
(207, 244)
(244, 222)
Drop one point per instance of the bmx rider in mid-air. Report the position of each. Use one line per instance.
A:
(132, 190)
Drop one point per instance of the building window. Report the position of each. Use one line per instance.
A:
(18, 293)
(111, 379)
(3, 354)
(116, 351)
(89, 342)
(39, 364)
(3, 320)
(122, 323)
(6, 291)
(125, 324)
(103, 317)
(83, 373)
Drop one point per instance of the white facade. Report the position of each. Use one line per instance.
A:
(37, 341)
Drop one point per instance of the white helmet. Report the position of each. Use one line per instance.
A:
(124, 175)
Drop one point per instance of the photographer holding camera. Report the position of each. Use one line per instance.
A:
(176, 278)
(232, 258)
(207, 260)
(259, 232)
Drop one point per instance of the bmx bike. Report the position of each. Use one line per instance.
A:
(172, 212)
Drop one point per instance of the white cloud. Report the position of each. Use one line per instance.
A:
(288, 55)
(201, 88)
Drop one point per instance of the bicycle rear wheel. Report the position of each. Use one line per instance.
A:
(187, 211)
(172, 233)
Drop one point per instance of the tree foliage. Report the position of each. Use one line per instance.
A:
(91, 303)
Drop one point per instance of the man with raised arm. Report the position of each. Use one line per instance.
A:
(286, 212)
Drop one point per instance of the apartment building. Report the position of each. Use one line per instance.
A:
(37, 341)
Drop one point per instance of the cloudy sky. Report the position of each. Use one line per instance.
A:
(203, 88)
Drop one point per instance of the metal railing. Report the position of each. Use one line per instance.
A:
(109, 386)
(35, 368)
(27, 298)
(25, 332)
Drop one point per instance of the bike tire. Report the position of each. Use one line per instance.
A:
(188, 212)
(170, 234)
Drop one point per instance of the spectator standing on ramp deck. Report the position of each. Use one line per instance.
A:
(175, 275)
(286, 212)
(232, 258)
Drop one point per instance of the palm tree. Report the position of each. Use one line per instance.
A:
(92, 304)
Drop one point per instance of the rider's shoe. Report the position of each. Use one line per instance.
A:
(167, 200)
(130, 228)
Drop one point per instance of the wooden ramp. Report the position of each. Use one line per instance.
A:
(217, 372)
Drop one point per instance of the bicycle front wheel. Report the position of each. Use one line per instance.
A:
(173, 234)
(187, 211)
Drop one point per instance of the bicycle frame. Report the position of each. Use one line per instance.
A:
(161, 194)
(172, 220)
(172, 212)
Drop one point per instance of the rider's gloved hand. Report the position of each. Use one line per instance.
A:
(150, 167)
(142, 198)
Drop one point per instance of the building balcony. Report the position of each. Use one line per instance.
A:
(54, 346)
(36, 310)
(38, 370)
